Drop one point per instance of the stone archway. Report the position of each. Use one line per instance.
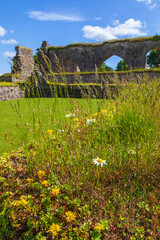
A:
(112, 62)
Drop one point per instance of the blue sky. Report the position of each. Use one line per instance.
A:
(30, 22)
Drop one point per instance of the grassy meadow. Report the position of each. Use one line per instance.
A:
(81, 168)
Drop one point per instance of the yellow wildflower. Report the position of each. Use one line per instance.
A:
(45, 183)
(99, 227)
(94, 115)
(55, 191)
(70, 216)
(29, 180)
(54, 229)
(75, 119)
(103, 111)
(21, 202)
(50, 131)
(121, 218)
(41, 174)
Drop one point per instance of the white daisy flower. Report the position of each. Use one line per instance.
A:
(90, 121)
(132, 151)
(70, 115)
(59, 130)
(99, 161)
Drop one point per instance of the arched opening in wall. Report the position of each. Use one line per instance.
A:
(113, 63)
(153, 59)
(69, 66)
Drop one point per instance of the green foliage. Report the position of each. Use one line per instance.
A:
(104, 68)
(35, 57)
(153, 59)
(122, 66)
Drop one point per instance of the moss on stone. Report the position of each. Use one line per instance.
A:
(140, 39)
(8, 84)
(29, 49)
(73, 84)
(6, 75)
(103, 73)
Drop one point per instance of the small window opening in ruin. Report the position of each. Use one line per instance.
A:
(114, 63)
(153, 59)
(69, 66)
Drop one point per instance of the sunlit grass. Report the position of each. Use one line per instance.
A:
(88, 169)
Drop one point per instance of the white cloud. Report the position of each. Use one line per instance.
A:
(45, 16)
(10, 41)
(153, 6)
(151, 3)
(2, 31)
(9, 54)
(131, 27)
(145, 1)
(97, 18)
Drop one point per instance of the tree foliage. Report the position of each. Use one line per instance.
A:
(122, 66)
(104, 68)
(153, 59)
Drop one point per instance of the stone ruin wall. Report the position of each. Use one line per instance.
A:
(11, 93)
(83, 57)
(23, 63)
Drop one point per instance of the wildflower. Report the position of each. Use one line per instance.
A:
(21, 202)
(110, 115)
(50, 132)
(75, 119)
(70, 115)
(29, 180)
(90, 121)
(99, 161)
(70, 216)
(94, 115)
(121, 218)
(45, 183)
(54, 229)
(55, 191)
(41, 174)
(103, 111)
(132, 151)
(59, 130)
(99, 227)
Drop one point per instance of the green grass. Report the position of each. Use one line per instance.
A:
(18, 117)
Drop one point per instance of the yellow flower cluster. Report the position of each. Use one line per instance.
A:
(45, 183)
(41, 174)
(99, 227)
(22, 202)
(55, 191)
(70, 216)
(29, 180)
(54, 229)
(50, 132)
(75, 120)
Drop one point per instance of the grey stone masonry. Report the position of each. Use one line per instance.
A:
(10, 93)
(85, 57)
(23, 62)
